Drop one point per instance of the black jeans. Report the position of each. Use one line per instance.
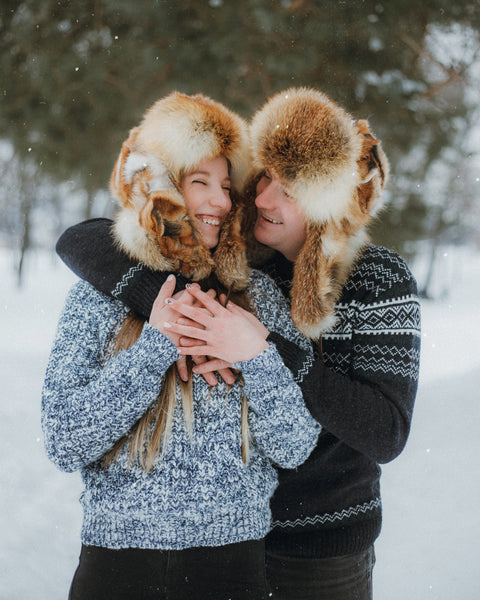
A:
(235, 571)
(340, 578)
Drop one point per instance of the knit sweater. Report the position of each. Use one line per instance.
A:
(199, 493)
(361, 388)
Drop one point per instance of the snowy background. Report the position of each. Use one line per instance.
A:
(428, 549)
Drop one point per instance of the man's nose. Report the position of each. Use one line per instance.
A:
(266, 198)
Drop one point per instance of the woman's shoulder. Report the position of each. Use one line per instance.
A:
(261, 286)
(266, 296)
(261, 281)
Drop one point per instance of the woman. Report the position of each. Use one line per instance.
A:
(177, 482)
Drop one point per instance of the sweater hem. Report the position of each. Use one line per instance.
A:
(326, 543)
(116, 532)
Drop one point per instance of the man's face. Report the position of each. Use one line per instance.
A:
(279, 224)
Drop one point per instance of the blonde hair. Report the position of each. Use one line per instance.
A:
(148, 438)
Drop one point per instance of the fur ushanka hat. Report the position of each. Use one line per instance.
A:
(177, 133)
(335, 170)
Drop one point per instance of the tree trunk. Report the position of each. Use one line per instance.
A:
(89, 204)
(26, 239)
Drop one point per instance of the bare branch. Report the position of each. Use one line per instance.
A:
(452, 73)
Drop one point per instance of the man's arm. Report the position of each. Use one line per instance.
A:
(368, 404)
(90, 251)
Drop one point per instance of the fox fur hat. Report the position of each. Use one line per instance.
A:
(177, 133)
(335, 171)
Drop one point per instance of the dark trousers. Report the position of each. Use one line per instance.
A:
(235, 571)
(340, 578)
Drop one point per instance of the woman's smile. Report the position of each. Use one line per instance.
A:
(206, 191)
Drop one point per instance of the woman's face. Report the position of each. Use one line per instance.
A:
(279, 223)
(206, 190)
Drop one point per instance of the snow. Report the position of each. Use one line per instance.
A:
(428, 548)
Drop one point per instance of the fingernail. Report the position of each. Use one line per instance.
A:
(167, 325)
(182, 322)
(170, 278)
(194, 370)
(189, 286)
(179, 350)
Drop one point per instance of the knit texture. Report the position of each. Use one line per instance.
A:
(361, 387)
(199, 493)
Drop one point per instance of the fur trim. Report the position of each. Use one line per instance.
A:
(186, 130)
(153, 226)
(335, 170)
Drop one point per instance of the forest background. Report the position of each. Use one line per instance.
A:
(75, 77)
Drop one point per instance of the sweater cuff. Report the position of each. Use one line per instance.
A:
(139, 288)
(297, 360)
(267, 361)
(161, 351)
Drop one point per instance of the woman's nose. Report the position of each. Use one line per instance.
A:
(220, 198)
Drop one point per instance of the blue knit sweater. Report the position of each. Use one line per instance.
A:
(199, 493)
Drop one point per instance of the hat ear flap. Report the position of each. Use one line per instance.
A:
(373, 170)
(122, 181)
(315, 285)
(167, 221)
(230, 255)
(140, 182)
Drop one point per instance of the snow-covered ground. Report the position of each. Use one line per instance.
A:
(428, 549)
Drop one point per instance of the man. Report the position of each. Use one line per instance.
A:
(318, 183)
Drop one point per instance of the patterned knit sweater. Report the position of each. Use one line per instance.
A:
(362, 390)
(199, 493)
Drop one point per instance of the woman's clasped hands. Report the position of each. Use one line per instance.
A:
(215, 336)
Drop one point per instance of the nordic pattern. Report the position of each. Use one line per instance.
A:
(200, 493)
(340, 362)
(398, 315)
(395, 361)
(392, 316)
(304, 369)
(126, 279)
(380, 270)
(376, 342)
(319, 520)
(343, 327)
